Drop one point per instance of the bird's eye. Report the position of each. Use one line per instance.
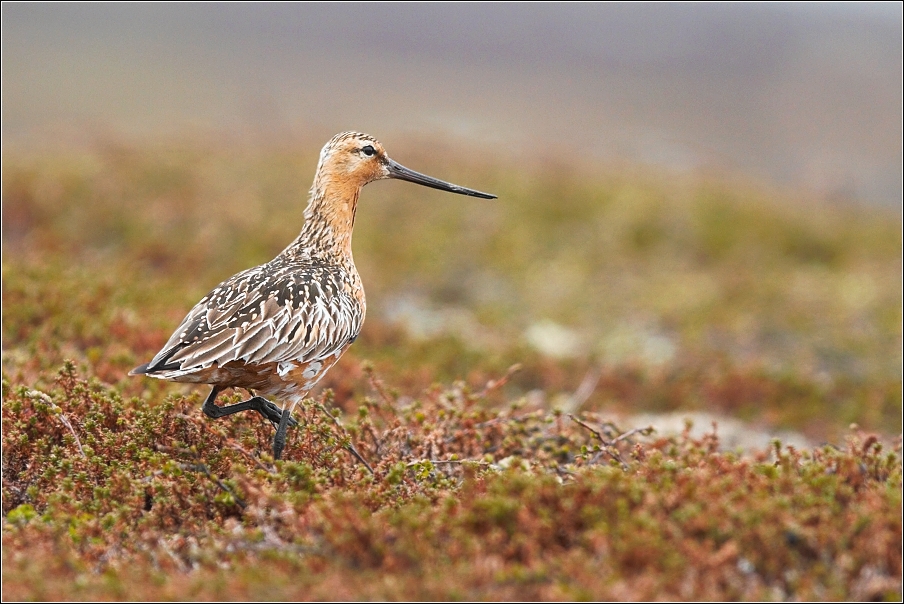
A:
(368, 150)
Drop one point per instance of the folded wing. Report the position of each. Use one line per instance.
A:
(263, 315)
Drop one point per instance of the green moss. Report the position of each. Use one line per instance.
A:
(782, 316)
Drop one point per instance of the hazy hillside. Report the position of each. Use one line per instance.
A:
(806, 95)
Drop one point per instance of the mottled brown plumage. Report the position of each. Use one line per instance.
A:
(276, 329)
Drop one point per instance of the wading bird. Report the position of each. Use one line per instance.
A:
(275, 330)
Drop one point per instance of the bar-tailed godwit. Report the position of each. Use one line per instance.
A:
(275, 329)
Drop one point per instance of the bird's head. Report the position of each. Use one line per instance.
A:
(355, 159)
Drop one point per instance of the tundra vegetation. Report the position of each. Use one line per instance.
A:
(488, 399)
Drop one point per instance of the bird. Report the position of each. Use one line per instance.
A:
(276, 329)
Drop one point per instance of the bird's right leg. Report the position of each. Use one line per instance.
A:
(255, 403)
(279, 439)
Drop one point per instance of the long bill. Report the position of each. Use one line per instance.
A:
(397, 170)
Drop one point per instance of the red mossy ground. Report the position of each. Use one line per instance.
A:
(472, 482)
(106, 498)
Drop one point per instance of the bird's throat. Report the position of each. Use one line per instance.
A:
(329, 220)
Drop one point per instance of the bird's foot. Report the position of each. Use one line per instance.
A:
(266, 408)
(270, 411)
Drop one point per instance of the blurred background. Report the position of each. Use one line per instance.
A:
(699, 205)
(801, 94)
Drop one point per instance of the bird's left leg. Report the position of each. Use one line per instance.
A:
(255, 403)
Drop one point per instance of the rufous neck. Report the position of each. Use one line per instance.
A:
(329, 219)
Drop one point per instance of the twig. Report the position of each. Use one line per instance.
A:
(589, 427)
(152, 475)
(203, 468)
(645, 431)
(196, 467)
(237, 447)
(377, 384)
(183, 566)
(45, 398)
(504, 418)
(191, 419)
(447, 461)
(491, 422)
(78, 443)
(378, 443)
(180, 450)
(495, 384)
(349, 447)
(563, 472)
(608, 446)
(585, 389)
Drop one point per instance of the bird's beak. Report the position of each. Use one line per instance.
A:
(396, 170)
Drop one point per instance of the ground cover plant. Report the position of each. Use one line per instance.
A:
(472, 443)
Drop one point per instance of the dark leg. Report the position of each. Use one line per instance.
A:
(279, 440)
(256, 403)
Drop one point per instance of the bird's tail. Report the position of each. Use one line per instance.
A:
(140, 370)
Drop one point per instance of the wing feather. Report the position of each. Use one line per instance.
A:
(252, 340)
(204, 353)
(268, 314)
